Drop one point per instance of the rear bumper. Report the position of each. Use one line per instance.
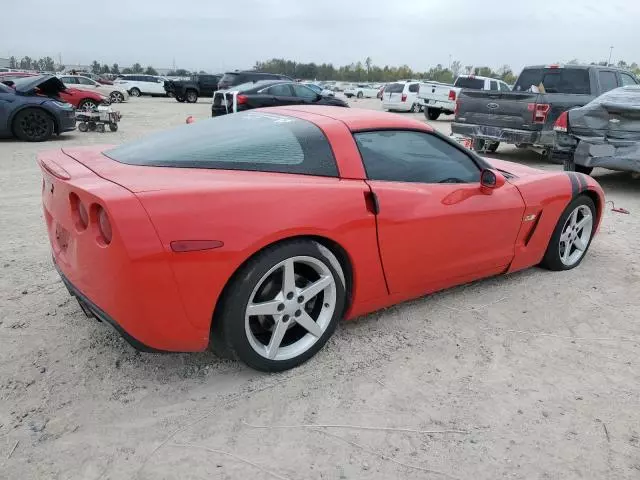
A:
(91, 309)
(438, 104)
(504, 135)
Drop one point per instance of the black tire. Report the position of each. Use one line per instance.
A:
(87, 104)
(432, 113)
(100, 128)
(83, 127)
(493, 146)
(191, 96)
(113, 127)
(551, 259)
(360, 95)
(180, 99)
(229, 337)
(570, 166)
(135, 92)
(33, 125)
(478, 144)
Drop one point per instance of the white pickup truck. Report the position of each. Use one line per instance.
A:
(438, 98)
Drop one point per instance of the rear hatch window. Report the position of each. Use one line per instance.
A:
(394, 88)
(229, 78)
(253, 141)
(469, 82)
(555, 80)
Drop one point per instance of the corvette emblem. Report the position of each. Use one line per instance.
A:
(529, 218)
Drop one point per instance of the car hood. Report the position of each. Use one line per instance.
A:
(46, 83)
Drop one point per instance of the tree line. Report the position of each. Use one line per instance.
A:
(355, 72)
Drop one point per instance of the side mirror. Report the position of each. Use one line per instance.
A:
(490, 180)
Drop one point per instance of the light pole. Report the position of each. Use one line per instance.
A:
(610, 52)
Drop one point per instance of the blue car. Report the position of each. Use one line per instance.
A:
(31, 110)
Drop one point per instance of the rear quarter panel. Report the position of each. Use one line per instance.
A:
(249, 211)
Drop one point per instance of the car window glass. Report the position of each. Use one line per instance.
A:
(493, 85)
(303, 92)
(608, 80)
(414, 87)
(280, 90)
(254, 141)
(504, 87)
(84, 81)
(69, 80)
(555, 80)
(627, 79)
(407, 156)
(469, 82)
(394, 88)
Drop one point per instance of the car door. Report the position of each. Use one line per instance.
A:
(304, 94)
(69, 81)
(280, 94)
(85, 83)
(436, 226)
(208, 85)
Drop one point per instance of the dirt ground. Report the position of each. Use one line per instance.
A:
(531, 376)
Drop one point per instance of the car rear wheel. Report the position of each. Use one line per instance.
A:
(432, 113)
(33, 125)
(360, 95)
(572, 236)
(87, 104)
(135, 92)
(192, 96)
(117, 97)
(282, 307)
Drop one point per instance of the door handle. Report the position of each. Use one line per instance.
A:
(371, 202)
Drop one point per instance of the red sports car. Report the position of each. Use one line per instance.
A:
(254, 233)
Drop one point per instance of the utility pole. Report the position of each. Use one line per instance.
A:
(610, 52)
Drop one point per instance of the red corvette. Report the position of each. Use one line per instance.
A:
(254, 233)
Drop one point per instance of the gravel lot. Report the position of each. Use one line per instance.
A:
(533, 376)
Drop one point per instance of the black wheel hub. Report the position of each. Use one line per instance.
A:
(34, 124)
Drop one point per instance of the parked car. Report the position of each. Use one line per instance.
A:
(361, 90)
(325, 92)
(525, 116)
(190, 90)
(80, 99)
(138, 85)
(312, 214)
(116, 93)
(32, 110)
(97, 78)
(604, 133)
(232, 79)
(401, 97)
(268, 94)
(440, 98)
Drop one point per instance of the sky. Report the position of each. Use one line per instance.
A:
(217, 36)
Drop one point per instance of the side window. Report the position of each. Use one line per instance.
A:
(504, 87)
(85, 81)
(414, 88)
(608, 80)
(282, 90)
(627, 79)
(493, 85)
(301, 91)
(408, 156)
(69, 80)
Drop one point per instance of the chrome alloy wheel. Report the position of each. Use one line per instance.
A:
(290, 308)
(576, 235)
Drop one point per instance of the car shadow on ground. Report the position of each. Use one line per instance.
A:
(616, 182)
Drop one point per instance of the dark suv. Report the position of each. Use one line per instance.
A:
(231, 79)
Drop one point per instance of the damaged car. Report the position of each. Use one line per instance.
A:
(604, 133)
(32, 110)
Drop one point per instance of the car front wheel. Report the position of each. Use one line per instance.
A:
(282, 307)
(572, 236)
(192, 96)
(33, 125)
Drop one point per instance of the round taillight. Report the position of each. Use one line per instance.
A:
(104, 225)
(79, 212)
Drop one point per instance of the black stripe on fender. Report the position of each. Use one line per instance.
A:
(575, 183)
(582, 181)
